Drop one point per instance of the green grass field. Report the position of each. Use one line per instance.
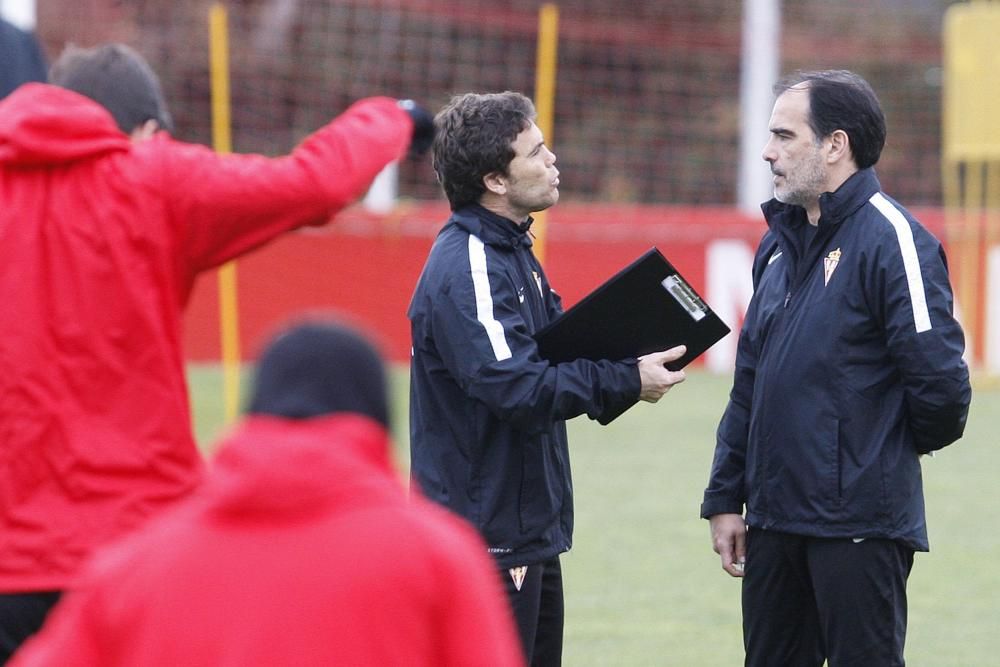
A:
(643, 586)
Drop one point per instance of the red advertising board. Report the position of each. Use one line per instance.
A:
(365, 267)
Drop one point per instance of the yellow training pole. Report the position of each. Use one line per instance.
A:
(222, 141)
(545, 87)
(972, 210)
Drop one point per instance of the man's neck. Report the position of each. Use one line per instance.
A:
(503, 209)
(813, 213)
(837, 178)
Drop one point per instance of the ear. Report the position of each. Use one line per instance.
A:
(144, 131)
(840, 147)
(496, 183)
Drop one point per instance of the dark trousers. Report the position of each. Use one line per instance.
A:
(22, 615)
(536, 597)
(807, 599)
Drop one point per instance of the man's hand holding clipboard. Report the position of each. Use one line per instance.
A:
(656, 378)
(646, 311)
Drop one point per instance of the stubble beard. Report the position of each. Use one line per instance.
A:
(806, 185)
(539, 202)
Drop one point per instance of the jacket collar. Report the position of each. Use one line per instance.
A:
(491, 228)
(834, 207)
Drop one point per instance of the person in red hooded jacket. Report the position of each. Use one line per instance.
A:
(302, 547)
(105, 224)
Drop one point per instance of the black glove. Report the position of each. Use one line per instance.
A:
(423, 127)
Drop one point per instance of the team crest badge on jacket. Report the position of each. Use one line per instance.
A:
(830, 265)
(517, 575)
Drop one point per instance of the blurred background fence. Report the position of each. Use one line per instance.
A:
(647, 124)
(647, 100)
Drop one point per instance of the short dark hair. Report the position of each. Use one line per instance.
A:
(842, 100)
(475, 137)
(116, 77)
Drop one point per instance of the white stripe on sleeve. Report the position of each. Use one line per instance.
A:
(911, 262)
(484, 299)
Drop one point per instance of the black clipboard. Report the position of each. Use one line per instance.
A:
(646, 307)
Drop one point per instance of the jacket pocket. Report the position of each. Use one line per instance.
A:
(829, 464)
(839, 457)
(828, 468)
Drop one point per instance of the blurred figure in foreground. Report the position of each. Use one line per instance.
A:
(107, 221)
(21, 58)
(301, 548)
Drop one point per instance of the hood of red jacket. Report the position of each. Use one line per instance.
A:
(42, 124)
(277, 466)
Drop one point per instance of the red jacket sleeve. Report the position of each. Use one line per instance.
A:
(223, 205)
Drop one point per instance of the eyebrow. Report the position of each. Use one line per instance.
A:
(782, 131)
(536, 148)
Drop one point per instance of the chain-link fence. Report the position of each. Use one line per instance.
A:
(647, 95)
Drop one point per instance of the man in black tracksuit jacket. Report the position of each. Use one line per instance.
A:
(849, 367)
(487, 429)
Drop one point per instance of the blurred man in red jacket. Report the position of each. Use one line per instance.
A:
(301, 548)
(105, 224)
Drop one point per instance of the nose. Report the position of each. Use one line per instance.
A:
(768, 153)
(550, 157)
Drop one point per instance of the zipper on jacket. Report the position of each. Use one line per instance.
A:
(532, 288)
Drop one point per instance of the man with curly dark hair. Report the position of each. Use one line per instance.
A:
(487, 413)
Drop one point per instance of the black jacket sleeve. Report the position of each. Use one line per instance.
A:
(726, 492)
(925, 341)
(487, 347)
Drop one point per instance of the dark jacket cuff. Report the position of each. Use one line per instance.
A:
(712, 506)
